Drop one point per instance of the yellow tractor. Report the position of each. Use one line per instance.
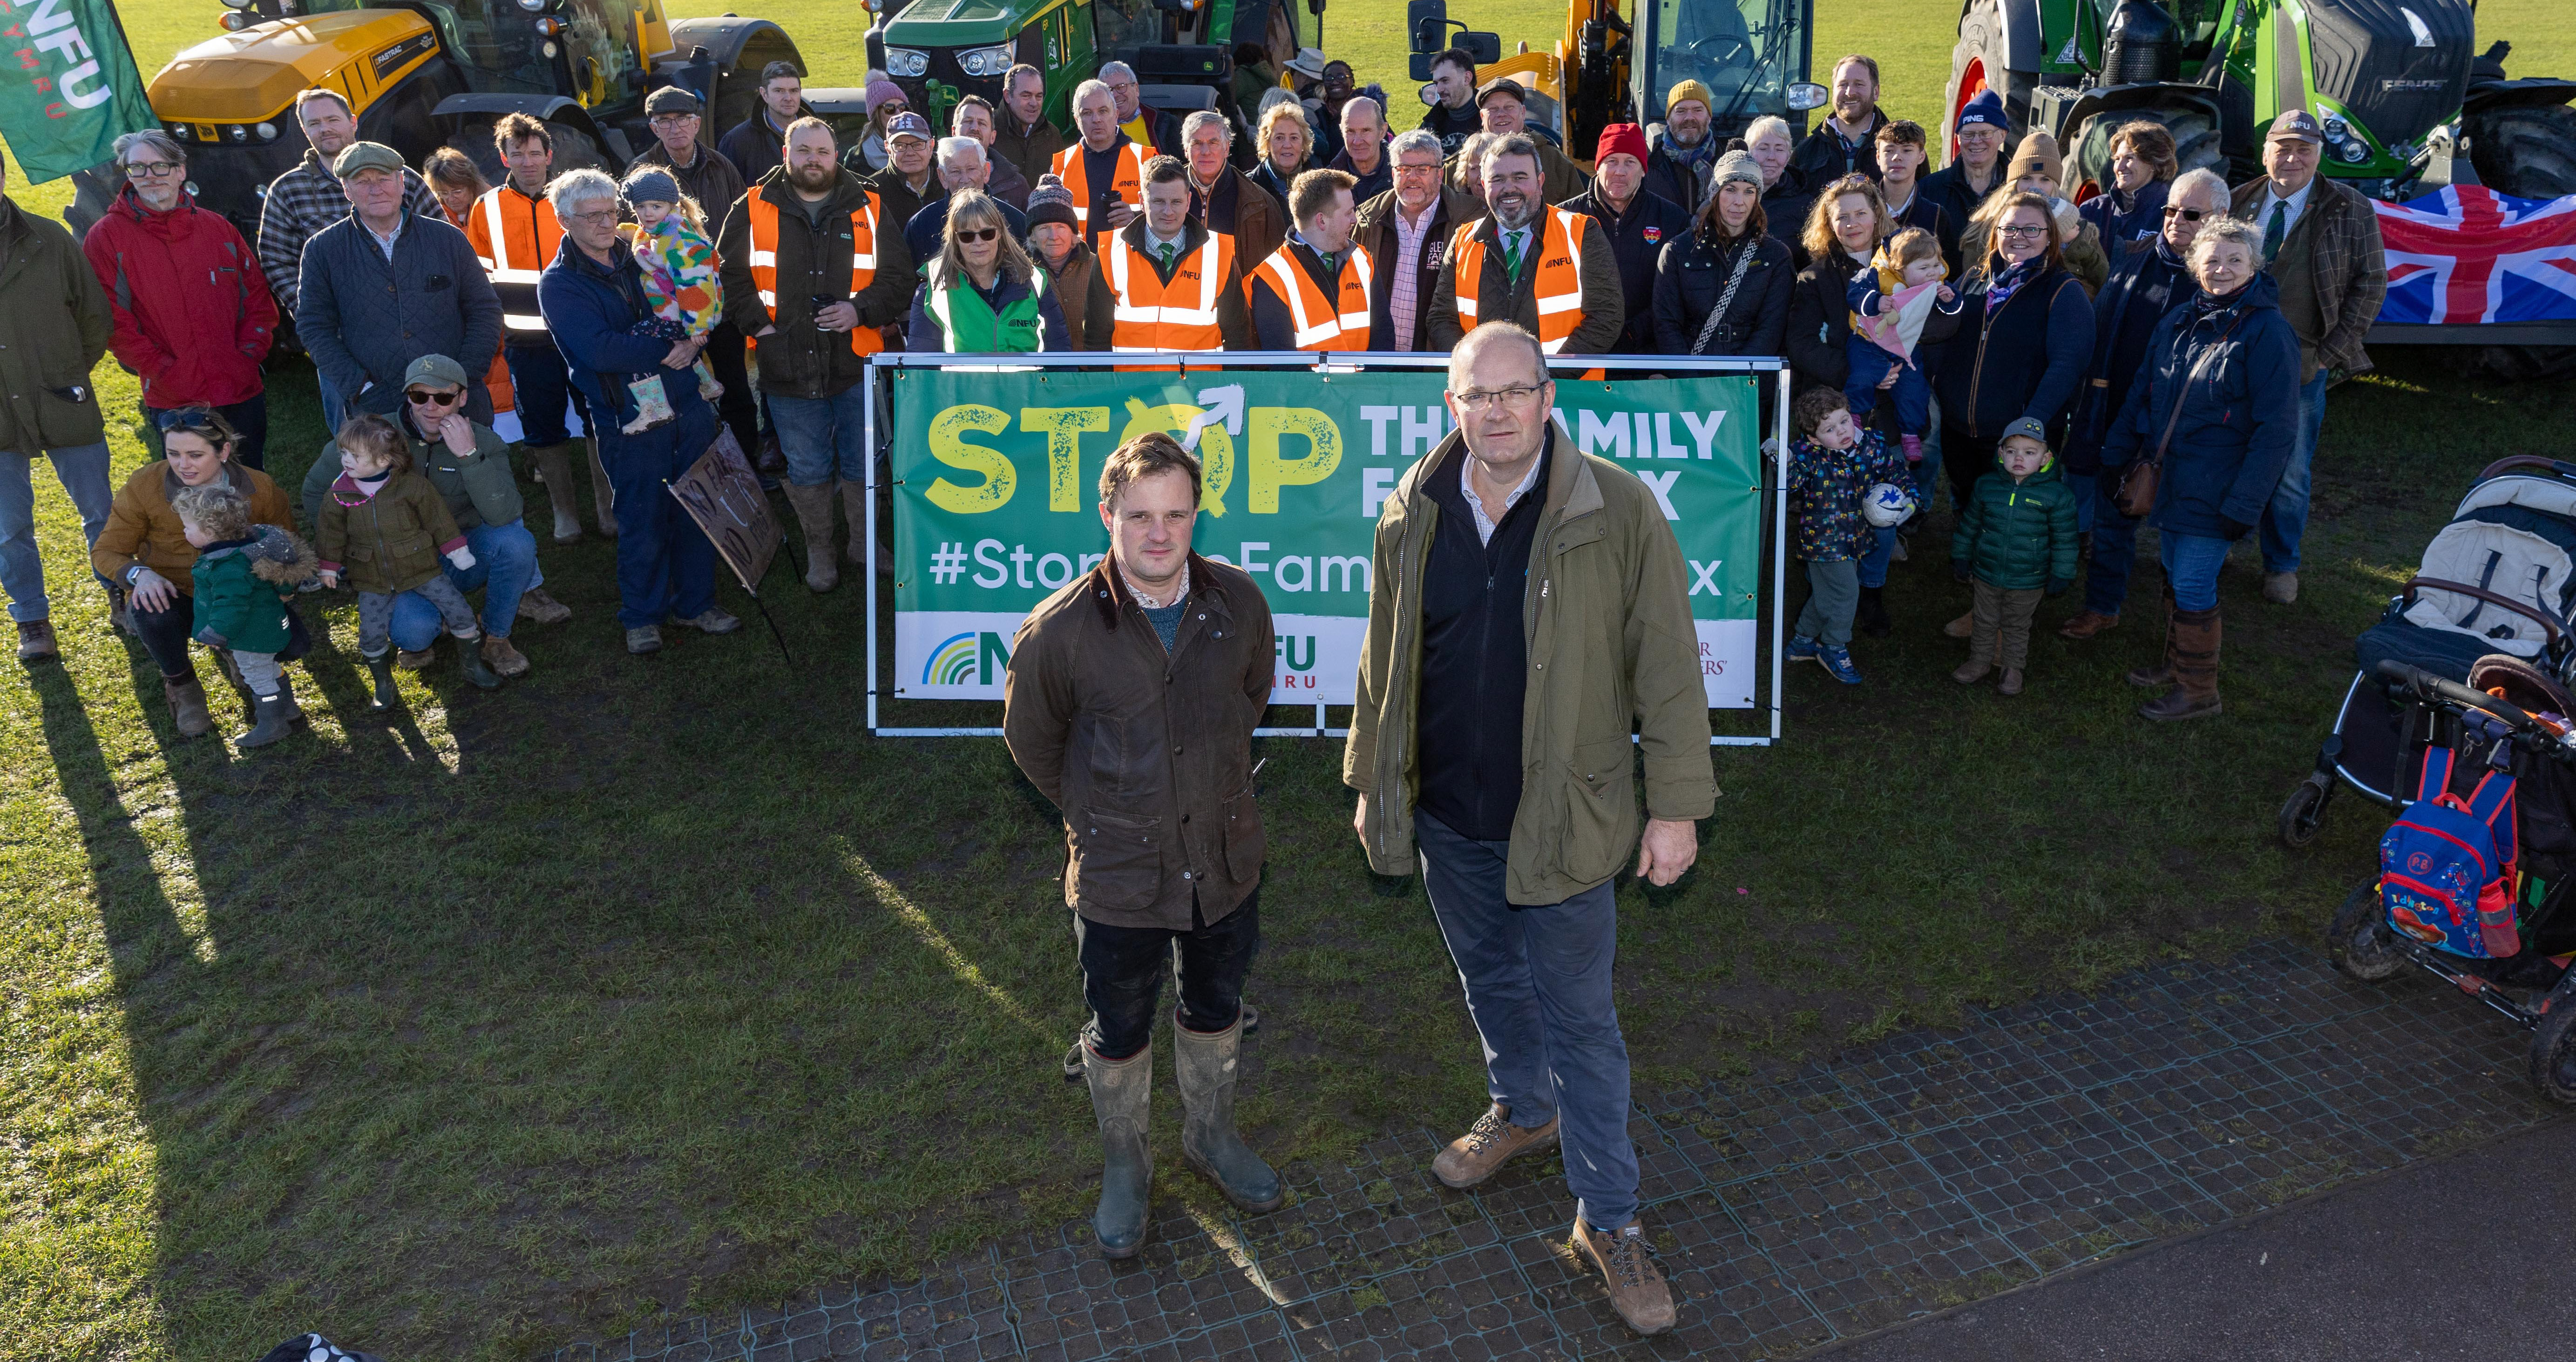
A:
(423, 73)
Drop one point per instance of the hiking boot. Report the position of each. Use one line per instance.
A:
(644, 638)
(1489, 1144)
(714, 621)
(1206, 1067)
(187, 706)
(554, 469)
(537, 607)
(1961, 627)
(1873, 612)
(2281, 588)
(1971, 672)
(2011, 683)
(2195, 640)
(411, 661)
(813, 508)
(276, 717)
(1801, 649)
(503, 659)
(382, 668)
(1837, 660)
(1637, 1287)
(1122, 1100)
(2087, 623)
(469, 660)
(36, 642)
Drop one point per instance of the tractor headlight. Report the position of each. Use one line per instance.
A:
(985, 61)
(238, 132)
(2353, 152)
(532, 6)
(2335, 128)
(239, 4)
(904, 61)
(267, 132)
(234, 20)
(551, 50)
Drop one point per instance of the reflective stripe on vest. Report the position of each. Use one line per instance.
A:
(515, 237)
(1146, 318)
(1319, 325)
(864, 340)
(1558, 289)
(1129, 187)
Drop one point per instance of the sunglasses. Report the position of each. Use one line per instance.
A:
(185, 419)
(420, 398)
(2186, 214)
(979, 234)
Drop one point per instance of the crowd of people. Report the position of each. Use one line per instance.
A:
(612, 317)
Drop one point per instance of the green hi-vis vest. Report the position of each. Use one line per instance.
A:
(970, 325)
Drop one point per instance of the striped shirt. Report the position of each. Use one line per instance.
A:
(302, 202)
(1404, 290)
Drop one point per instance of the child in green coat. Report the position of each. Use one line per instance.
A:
(2016, 538)
(240, 584)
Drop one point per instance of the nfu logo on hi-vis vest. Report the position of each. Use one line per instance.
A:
(968, 659)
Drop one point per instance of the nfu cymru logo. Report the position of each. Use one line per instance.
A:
(969, 659)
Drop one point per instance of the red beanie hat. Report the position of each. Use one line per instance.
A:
(1619, 137)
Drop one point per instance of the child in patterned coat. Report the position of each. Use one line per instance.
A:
(669, 235)
(1832, 465)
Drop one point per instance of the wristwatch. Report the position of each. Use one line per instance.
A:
(132, 573)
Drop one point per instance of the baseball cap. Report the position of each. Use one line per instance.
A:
(434, 371)
(2298, 125)
(907, 124)
(672, 99)
(359, 156)
(2029, 428)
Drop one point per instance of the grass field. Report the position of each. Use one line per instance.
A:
(641, 987)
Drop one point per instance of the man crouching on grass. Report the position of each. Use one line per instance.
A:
(1131, 700)
(1526, 611)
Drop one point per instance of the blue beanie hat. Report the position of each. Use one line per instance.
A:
(1986, 108)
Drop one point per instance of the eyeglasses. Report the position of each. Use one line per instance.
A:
(186, 418)
(2186, 214)
(673, 120)
(151, 170)
(1417, 170)
(592, 219)
(422, 398)
(1517, 395)
(979, 234)
(2019, 231)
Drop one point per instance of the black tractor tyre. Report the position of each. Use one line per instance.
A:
(2553, 1049)
(2359, 939)
(1981, 40)
(2526, 152)
(94, 191)
(2195, 136)
(574, 150)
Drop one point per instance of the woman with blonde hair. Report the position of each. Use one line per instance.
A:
(1287, 148)
(982, 295)
(1844, 226)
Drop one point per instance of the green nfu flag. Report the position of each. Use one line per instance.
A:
(68, 87)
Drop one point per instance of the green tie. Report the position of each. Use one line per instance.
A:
(2276, 229)
(1169, 248)
(1512, 256)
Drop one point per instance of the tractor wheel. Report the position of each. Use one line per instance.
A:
(2195, 137)
(2527, 152)
(1977, 63)
(574, 150)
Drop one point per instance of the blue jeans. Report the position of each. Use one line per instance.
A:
(505, 566)
(2191, 565)
(665, 565)
(334, 406)
(2285, 518)
(2081, 484)
(542, 392)
(823, 437)
(1912, 393)
(1538, 987)
(249, 420)
(2115, 548)
(82, 470)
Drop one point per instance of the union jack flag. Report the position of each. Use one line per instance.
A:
(2469, 254)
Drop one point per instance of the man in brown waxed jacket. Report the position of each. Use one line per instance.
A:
(1130, 701)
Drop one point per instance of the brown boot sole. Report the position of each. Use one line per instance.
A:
(1543, 1140)
(2069, 630)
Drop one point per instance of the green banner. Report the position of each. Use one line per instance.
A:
(68, 87)
(997, 500)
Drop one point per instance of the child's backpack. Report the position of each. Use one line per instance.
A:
(2446, 867)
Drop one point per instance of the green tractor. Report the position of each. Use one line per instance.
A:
(2406, 102)
(940, 51)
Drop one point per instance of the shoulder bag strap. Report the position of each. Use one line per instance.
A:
(1717, 315)
(2199, 370)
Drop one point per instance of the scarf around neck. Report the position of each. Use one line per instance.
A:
(2008, 282)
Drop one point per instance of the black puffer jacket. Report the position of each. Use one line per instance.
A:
(1690, 275)
(1820, 319)
(1637, 239)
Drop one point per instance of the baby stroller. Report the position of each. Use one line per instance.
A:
(2504, 748)
(2500, 578)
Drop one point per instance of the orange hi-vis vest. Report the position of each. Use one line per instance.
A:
(864, 340)
(1337, 323)
(1129, 186)
(1151, 316)
(514, 237)
(1559, 286)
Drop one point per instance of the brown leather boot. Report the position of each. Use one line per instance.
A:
(1637, 1287)
(187, 705)
(36, 641)
(813, 507)
(2160, 672)
(502, 658)
(2195, 692)
(1961, 627)
(554, 469)
(1489, 1144)
(537, 607)
(603, 497)
(2088, 623)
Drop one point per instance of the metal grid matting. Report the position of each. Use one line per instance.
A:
(1924, 1172)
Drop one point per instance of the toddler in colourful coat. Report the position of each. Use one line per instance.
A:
(1832, 465)
(669, 235)
(242, 579)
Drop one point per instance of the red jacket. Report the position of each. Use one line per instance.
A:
(193, 312)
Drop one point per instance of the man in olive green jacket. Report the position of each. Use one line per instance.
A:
(1527, 611)
(53, 331)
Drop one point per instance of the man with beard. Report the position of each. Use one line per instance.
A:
(1845, 144)
(1677, 170)
(1549, 269)
(1225, 200)
(1453, 118)
(816, 318)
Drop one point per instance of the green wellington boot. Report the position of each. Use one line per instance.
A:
(1122, 1097)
